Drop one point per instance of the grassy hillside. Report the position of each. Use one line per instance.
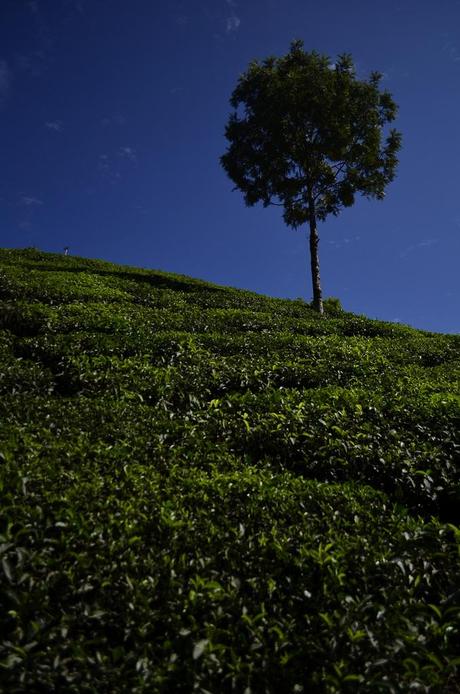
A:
(207, 490)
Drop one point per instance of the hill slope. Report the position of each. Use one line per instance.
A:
(208, 490)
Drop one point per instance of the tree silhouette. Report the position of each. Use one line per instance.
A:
(307, 135)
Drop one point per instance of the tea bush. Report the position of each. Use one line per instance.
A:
(207, 490)
(332, 305)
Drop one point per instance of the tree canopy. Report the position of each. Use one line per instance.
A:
(308, 135)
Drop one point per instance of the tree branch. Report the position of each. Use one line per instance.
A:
(340, 167)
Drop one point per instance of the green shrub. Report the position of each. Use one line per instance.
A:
(332, 305)
(207, 490)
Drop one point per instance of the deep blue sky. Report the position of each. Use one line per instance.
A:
(112, 116)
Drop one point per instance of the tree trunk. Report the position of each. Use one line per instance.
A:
(314, 261)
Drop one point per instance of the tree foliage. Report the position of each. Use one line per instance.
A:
(308, 135)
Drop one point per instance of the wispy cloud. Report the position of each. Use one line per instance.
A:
(29, 206)
(127, 153)
(45, 38)
(56, 125)
(77, 6)
(103, 162)
(453, 53)
(425, 243)
(107, 169)
(33, 63)
(111, 166)
(451, 50)
(141, 209)
(41, 41)
(33, 6)
(29, 201)
(341, 243)
(232, 24)
(114, 119)
(5, 80)
(180, 12)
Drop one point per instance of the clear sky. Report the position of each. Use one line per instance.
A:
(112, 114)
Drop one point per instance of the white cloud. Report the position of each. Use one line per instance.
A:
(73, 6)
(127, 153)
(452, 51)
(425, 243)
(110, 166)
(28, 201)
(56, 125)
(33, 63)
(114, 119)
(341, 243)
(107, 169)
(5, 79)
(103, 163)
(232, 23)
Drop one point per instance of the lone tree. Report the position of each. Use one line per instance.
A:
(307, 135)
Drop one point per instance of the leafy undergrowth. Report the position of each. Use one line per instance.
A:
(207, 490)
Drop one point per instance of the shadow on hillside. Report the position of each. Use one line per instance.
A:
(154, 280)
(165, 282)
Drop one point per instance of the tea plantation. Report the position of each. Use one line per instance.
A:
(206, 490)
